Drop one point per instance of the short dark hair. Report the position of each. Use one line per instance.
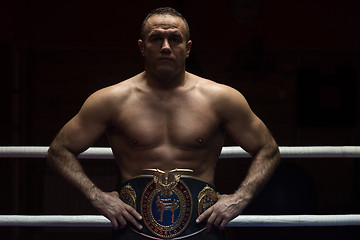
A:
(164, 11)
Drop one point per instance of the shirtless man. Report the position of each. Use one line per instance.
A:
(165, 118)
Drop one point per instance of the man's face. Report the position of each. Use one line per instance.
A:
(165, 47)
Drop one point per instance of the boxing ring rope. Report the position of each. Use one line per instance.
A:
(240, 221)
(227, 152)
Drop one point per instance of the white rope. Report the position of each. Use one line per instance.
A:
(301, 152)
(227, 152)
(54, 221)
(40, 152)
(240, 221)
(295, 220)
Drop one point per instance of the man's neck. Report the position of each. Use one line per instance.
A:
(165, 82)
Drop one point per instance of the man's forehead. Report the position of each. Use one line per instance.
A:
(165, 22)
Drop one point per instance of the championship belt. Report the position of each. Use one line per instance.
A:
(169, 202)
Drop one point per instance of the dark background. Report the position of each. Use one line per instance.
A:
(296, 62)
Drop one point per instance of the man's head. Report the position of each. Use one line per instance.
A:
(163, 11)
(165, 43)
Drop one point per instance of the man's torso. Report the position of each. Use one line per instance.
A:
(166, 129)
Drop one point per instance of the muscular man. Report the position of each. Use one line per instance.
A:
(165, 118)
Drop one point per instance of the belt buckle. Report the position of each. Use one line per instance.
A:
(166, 203)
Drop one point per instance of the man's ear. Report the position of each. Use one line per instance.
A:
(141, 46)
(188, 48)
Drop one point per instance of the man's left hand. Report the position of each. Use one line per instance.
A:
(222, 212)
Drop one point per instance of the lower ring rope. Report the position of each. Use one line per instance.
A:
(227, 152)
(240, 221)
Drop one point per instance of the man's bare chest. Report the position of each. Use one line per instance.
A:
(186, 122)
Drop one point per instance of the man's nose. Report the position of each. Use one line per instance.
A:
(165, 48)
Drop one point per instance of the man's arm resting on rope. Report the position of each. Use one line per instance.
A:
(253, 136)
(75, 137)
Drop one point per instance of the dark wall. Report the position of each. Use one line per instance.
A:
(296, 62)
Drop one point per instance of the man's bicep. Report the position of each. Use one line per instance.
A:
(249, 134)
(241, 123)
(85, 128)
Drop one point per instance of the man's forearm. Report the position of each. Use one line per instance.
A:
(263, 165)
(68, 166)
(229, 206)
(108, 204)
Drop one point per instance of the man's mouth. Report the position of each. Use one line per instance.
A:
(166, 59)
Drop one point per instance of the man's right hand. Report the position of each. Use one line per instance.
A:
(113, 208)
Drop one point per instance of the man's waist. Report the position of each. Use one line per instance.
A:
(169, 202)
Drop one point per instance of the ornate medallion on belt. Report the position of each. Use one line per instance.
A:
(128, 195)
(206, 197)
(166, 203)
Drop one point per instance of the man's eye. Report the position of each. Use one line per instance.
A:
(155, 38)
(175, 39)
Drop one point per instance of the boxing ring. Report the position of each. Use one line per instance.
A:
(227, 152)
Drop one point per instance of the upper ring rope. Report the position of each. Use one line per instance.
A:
(227, 152)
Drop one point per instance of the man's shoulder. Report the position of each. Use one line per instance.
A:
(223, 97)
(117, 91)
(213, 88)
(106, 102)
